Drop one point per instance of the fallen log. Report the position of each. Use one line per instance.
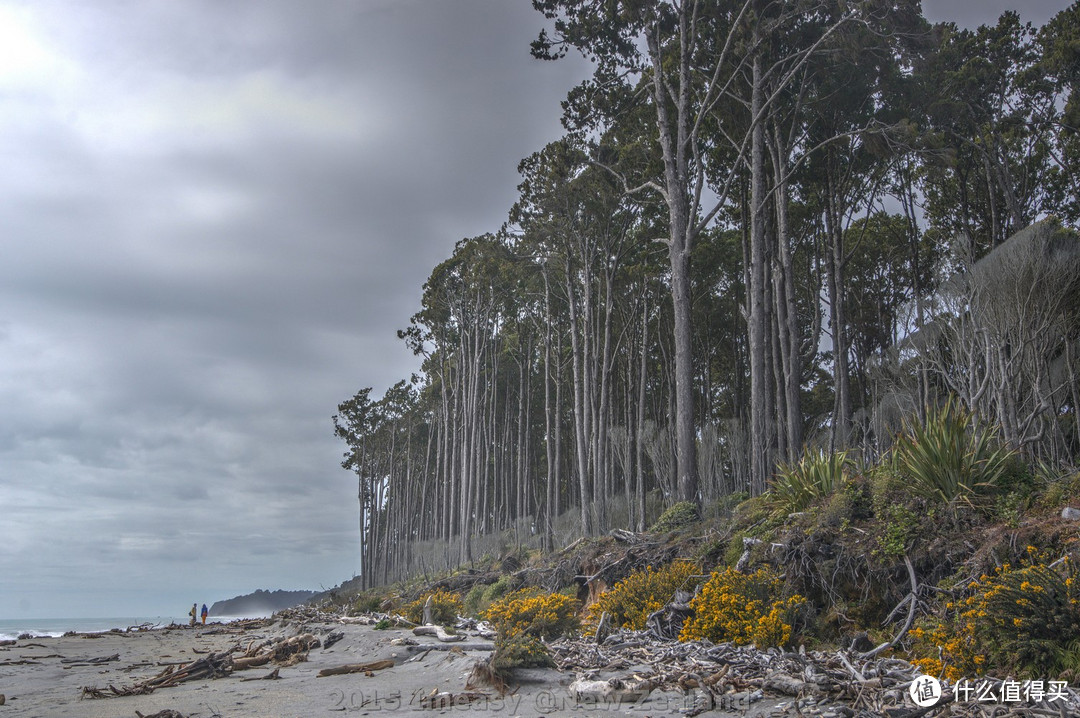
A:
(439, 632)
(455, 647)
(91, 661)
(355, 668)
(271, 676)
(614, 690)
(244, 663)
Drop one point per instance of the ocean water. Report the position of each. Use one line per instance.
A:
(52, 627)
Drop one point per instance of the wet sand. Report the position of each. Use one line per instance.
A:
(36, 681)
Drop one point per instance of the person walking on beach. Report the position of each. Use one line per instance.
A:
(204, 612)
(193, 612)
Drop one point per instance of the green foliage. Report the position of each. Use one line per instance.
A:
(814, 476)
(677, 516)
(480, 596)
(520, 651)
(1025, 621)
(949, 459)
(899, 526)
(1059, 488)
(630, 601)
(368, 601)
(849, 503)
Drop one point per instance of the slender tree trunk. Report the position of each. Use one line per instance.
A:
(760, 410)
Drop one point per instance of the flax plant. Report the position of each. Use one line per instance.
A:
(814, 476)
(950, 458)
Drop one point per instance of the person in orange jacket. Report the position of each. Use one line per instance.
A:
(204, 612)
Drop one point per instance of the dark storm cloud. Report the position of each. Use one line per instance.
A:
(216, 216)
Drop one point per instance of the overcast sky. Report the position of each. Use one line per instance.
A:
(213, 218)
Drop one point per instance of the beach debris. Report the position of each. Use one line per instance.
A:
(456, 647)
(439, 632)
(332, 638)
(73, 662)
(167, 713)
(216, 665)
(271, 676)
(8, 642)
(483, 675)
(830, 683)
(282, 651)
(368, 668)
(443, 699)
(613, 690)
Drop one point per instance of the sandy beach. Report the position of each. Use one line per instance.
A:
(46, 677)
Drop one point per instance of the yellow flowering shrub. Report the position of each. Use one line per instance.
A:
(630, 601)
(1022, 620)
(445, 607)
(533, 612)
(742, 608)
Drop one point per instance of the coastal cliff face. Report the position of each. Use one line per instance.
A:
(259, 603)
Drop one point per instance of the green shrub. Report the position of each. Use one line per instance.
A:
(949, 459)
(677, 516)
(814, 476)
(1024, 621)
(1058, 488)
(368, 602)
(519, 651)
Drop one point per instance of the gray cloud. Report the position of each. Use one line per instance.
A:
(213, 218)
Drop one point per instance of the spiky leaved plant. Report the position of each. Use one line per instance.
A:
(950, 458)
(814, 476)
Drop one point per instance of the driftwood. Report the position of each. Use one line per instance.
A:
(283, 651)
(271, 676)
(912, 600)
(456, 647)
(817, 683)
(216, 665)
(614, 690)
(484, 676)
(667, 623)
(439, 632)
(356, 668)
(167, 713)
(90, 661)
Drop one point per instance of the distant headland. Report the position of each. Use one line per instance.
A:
(259, 603)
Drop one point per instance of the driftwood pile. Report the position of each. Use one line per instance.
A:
(215, 665)
(830, 684)
(283, 652)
